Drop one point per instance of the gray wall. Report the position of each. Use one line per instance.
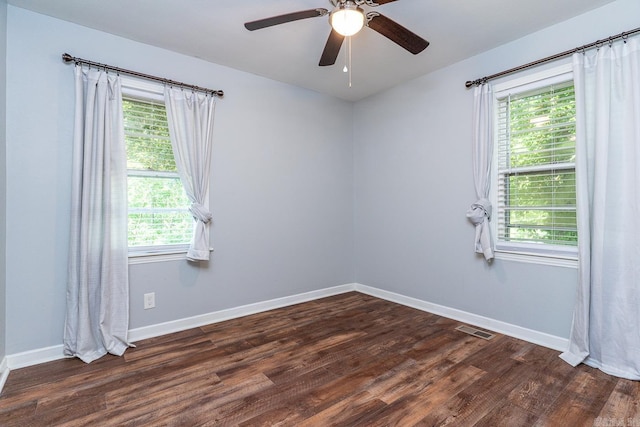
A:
(281, 190)
(413, 185)
(3, 174)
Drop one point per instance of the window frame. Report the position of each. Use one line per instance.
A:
(555, 255)
(148, 91)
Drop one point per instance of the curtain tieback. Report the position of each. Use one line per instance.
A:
(479, 214)
(479, 211)
(200, 213)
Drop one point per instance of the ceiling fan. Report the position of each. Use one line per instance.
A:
(346, 19)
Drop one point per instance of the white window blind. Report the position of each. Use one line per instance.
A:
(158, 214)
(536, 195)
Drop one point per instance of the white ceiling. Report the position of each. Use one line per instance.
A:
(213, 30)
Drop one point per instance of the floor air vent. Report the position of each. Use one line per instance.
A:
(475, 332)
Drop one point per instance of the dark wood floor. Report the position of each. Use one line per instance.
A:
(346, 360)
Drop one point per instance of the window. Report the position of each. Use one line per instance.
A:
(534, 167)
(159, 221)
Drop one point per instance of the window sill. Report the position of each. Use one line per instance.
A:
(567, 261)
(159, 254)
(158, 257)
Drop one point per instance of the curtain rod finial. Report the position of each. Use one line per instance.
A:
(468, 84)
(66, 57)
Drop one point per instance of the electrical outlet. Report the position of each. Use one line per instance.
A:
(149, 300)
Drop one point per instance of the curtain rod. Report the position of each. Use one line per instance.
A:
(68, 58)
(597, 43)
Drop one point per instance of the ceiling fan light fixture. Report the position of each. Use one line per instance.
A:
(347, 19)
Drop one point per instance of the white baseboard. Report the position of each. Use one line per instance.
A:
(530, 335)
(34, 357)
(4, 372)
(233, 313)
(48, 354)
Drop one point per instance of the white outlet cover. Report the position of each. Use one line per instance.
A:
(149, 300)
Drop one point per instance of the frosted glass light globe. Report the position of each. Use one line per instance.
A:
(347, 19)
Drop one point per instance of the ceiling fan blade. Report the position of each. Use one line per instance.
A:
(397, 33)
(378, 2)
(331, 49)
(287, 17)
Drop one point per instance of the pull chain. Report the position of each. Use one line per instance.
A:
(347, 60)
(345, 69)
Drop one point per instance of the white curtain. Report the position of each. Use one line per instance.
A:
(606, 323)
(190, 116)
(97, 318)
(482, 139)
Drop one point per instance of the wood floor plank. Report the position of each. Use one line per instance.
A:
(174, 407)
(339, 358)
(160, 346)
(623, 405)
(346, 384)
(474, 402)
(358, 409)
(507, 415)
(16, 414)
(537, 393)
(412, 408)
(581, 400)
(285, 357)
(414, 381)
(54, 411)
(346, 360)
(261, 405)
(164, 382)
